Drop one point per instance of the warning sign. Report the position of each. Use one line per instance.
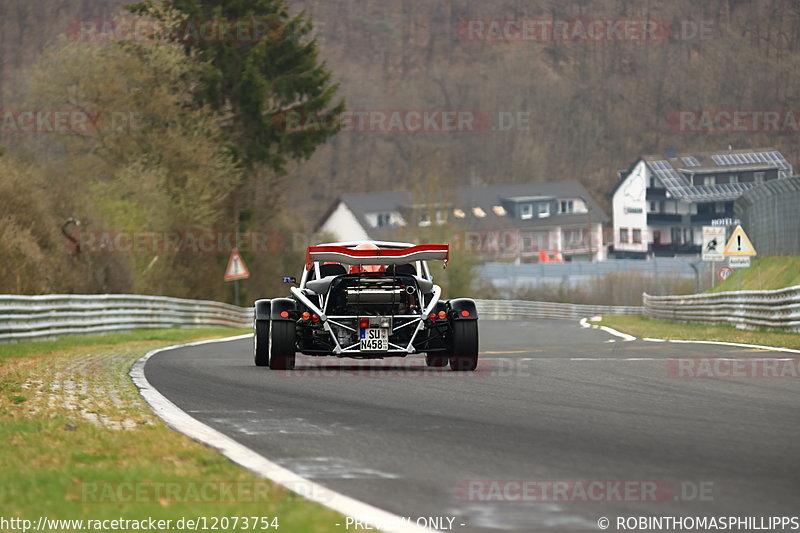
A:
(739, 244)
(236, 267)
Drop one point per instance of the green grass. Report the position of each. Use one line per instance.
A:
(77, 441)
(172, 335)
(773, 272)
(640, 326)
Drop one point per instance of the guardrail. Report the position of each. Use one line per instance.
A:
(524, 309)
(35, 317)
(48, 316)
(776, 309)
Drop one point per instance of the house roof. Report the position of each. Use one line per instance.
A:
(675, 172)
(486, 198)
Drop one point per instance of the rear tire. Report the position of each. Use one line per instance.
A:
(464, 354)
(282, 345)
(261, 342)
(436, 360)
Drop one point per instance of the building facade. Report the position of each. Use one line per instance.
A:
(662, 201)
(499, 222)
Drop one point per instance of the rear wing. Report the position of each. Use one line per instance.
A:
(385, 256)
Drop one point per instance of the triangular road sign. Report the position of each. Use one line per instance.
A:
(236, 267)
(739, 244)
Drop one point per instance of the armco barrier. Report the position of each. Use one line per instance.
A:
(32, 317)
(524, 309)
(776, 309)
(36, 317)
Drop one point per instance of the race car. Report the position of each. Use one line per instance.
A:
(367, 300)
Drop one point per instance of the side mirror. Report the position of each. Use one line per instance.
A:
(288, 279)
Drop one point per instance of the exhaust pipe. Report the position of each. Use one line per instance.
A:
(410, 289)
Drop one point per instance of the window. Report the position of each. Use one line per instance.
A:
(653, 207)
(572, 238)
(424, 219)
(441, 216)
(733, 178)
(758, 177)
(566, 206)
(637, 236)
(499, 210)
(719, 207)
(623, 235)
(525, 211)
(478, 212)
(709, 180)
(459, 213)
(384, 220)
(544, 210)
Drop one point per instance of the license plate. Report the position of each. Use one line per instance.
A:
(374, 340)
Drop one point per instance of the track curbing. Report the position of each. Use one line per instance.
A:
(177, 419)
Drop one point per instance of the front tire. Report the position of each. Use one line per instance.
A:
(464, 354)
(261, 342)
(282, 345)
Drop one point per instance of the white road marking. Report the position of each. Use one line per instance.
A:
(331, 468)
(273, 426)
(623, 336)
(180, 421)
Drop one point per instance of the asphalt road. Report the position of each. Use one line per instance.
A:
(551, 402)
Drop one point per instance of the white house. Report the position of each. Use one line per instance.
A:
(497, 221)
(662, 201)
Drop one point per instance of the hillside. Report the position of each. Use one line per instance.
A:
(558, 110)
(531, 104)
(775, 272)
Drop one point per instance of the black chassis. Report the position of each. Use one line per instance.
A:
(405, 302)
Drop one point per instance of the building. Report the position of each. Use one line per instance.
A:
(500, 222)
(662, 201)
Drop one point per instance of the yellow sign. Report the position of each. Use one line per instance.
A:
(739, 244)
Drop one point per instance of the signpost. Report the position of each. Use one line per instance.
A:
(236, 270)
(713, 237)
(739, 250)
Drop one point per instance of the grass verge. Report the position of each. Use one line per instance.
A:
(767, 273)
(77, 441)
(640, 326)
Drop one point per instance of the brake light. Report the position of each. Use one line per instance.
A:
(363, 323)
(306, 315)
(315, 317)
(465, 313)
(442, 315)
(284, 314)
(432, 317)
